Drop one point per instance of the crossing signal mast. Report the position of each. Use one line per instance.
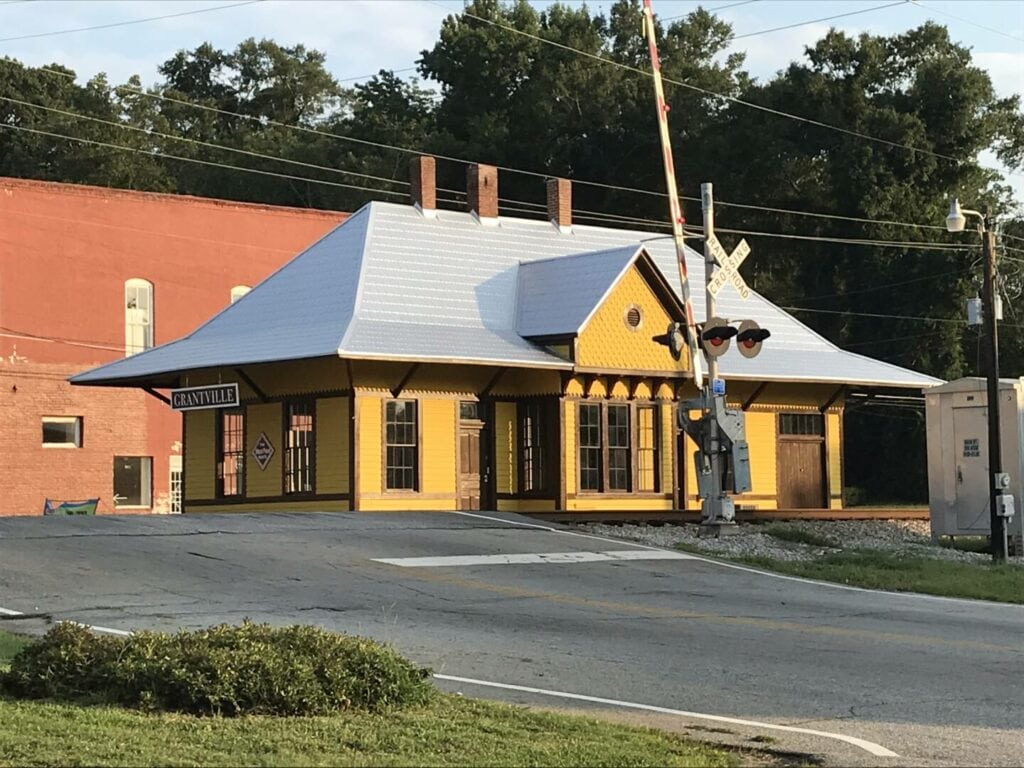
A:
(722, 456)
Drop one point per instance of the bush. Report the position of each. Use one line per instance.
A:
(224, 670)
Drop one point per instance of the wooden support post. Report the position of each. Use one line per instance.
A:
(835, 396)
(396, 391)
(157, 395)
(252, 385)
(754, 395)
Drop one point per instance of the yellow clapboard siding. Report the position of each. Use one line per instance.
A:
(761, 437)
(407, 502)
(506, 450)
(598, 503)
(281, 379)
(440, 449)
(834, 447)
(526, 505)
(668, 444)
(607, 341)
(263, 418)
(332, 505)
(569, 416)
(200, 463)
(332, 452)
(370, 442)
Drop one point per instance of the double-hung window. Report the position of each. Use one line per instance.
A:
(300, 447)
(608, 435)
(647, 442)
(138, 316)
(401, 446)
(590, 447)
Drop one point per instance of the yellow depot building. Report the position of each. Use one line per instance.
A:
(425, 359)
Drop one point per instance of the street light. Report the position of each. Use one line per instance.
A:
(1000, 503)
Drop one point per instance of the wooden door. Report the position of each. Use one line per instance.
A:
(469, 467)
(801, 474)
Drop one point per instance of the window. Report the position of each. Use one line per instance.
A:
(62, 431)
(619, 467)
(647, 448)
(532, 442)
(176, 485)
(401, 446)
(133, 481)
(231, 462)
(801, 424)
(238, 292)
(138, 316)
(590, 447)
(300, 453)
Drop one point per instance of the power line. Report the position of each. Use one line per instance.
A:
(921, 5)
(11, 333)
(712, 10)
(886, 317)
(367, 77)
(707, 92)
(127, 23)
(151, 132)
(197, 161)
(536, 174)
(816, 21)
(883, 286)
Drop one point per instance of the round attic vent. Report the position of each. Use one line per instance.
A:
(633, 317)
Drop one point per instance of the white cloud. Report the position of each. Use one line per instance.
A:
(1006, 70)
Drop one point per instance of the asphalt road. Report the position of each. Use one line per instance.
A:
(936, 681)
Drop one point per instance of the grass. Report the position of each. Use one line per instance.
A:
(797, 535)
(900, 573)
(450, 731)
(10, 645)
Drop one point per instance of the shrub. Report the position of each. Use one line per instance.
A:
(225, 670)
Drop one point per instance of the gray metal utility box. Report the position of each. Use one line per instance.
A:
(958, 471)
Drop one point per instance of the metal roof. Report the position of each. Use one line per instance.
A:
(557, 296)
(391, 283)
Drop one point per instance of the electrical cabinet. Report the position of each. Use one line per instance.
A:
(959, 478)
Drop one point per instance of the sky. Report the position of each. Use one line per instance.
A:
(361, 37)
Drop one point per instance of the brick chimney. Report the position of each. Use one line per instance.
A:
(482, 191)
(560, 203)
(423, 184)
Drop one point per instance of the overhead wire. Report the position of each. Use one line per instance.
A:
(536, 174)
(712, 10)
(128, 22)
(994, 30)
(197, 161)
(817, 21)
(706, 91)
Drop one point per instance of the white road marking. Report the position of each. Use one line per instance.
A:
(532, 558)
(758, 571)
(9, 612)
(868, 746)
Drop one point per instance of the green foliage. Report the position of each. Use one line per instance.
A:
(797, 535)
(9, 646)
(908, 573)
(448, 731)
(224, 670)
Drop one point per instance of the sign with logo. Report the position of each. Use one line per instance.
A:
(263, 451)
(199, 398)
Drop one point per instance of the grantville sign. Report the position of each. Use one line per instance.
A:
(198, 398)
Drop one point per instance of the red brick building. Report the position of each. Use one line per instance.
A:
(88, 275)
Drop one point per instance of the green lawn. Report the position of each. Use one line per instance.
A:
(884, 570)
(451, 731)
(10, 645)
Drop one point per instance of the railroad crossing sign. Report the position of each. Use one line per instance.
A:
(728, 267)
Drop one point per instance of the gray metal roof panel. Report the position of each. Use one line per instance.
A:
(557, 296)
(299, 311)
(392, 283)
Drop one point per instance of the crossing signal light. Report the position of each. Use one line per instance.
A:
(749, 338)
(716, 335)
(674, 338)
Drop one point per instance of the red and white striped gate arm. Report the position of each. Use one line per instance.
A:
(674, 208)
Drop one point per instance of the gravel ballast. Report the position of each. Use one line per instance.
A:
(908, 537)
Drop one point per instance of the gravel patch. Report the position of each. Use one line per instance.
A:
(908, 537)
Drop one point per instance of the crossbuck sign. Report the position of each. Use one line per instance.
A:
(728, 267)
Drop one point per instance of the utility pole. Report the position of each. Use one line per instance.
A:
(995, 448)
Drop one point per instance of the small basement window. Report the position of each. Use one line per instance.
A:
(62, 431)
